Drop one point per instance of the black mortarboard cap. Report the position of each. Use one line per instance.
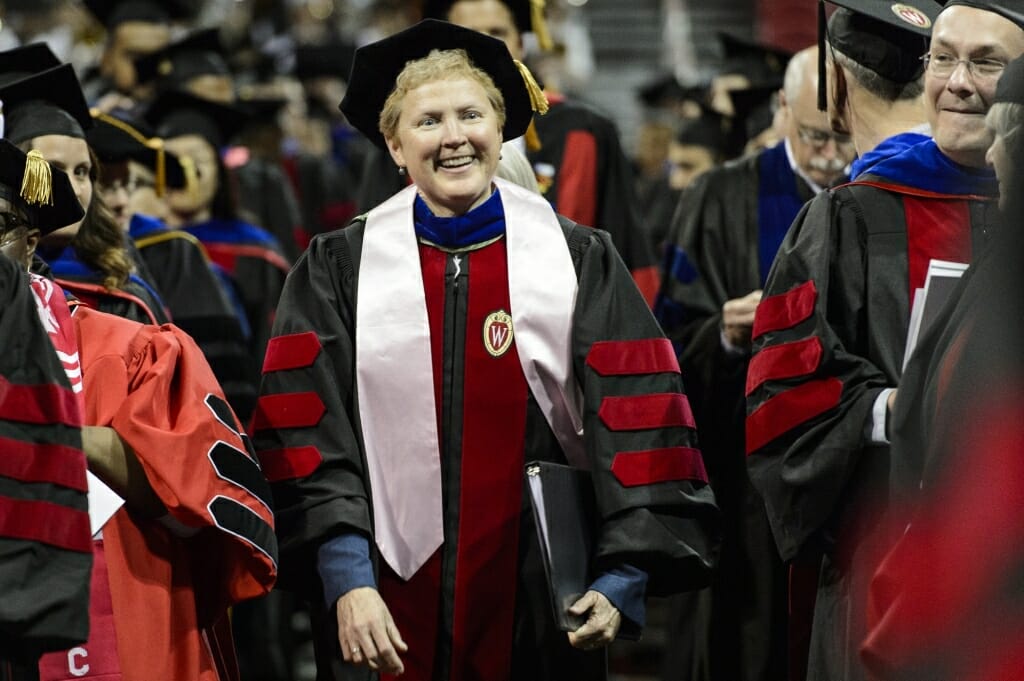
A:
(707, 131)
(117, 139)
(262, 110)
(885, 37)
(763, 65)
(198, 54)
(57, 207)
(111, 13)
(1010, 88)
(377, 67)
(1009, 9)
(332, 59)
(175, 113)
(23, 61)
(528, 15)
(46, 103)
(752, 109)
(667, 89)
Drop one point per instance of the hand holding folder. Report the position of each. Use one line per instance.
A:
(563, 505)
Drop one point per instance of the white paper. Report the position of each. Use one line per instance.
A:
(937, 269)
(103, 503)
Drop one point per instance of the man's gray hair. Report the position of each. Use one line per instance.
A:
(879, 86)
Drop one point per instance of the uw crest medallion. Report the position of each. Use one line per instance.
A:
(498, 333)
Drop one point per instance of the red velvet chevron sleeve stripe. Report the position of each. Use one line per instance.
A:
(52, 463)
(787, 360)
(39, 404)
(785, 310)
(790, 409)
(635, 357)
(45, 522)
(290, 463)
(288, 410)
(295, 351)
(633, 469)
(644, 412)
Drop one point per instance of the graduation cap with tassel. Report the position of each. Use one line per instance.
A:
(49, 200)
(376, 67)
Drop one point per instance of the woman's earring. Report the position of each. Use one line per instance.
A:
(401, 170)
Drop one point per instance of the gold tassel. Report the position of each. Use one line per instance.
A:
(37, 182)
(161, 167)
(538, 102)
(540, 26)
(532, 138)
(191, 175)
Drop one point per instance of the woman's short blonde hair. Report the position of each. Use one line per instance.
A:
(438, 65)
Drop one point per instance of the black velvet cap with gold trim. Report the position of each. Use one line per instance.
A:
(377, 66)
(23, 61)
(1012, 10)
(112, 13)
(46, 103)
(117, 139)
(175, 113)
(198, 54)
(44, 192)
(527, 14)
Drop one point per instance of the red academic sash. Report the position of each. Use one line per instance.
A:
(96, 658)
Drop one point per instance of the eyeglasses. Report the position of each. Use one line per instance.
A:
(819, 138)
(943, 64)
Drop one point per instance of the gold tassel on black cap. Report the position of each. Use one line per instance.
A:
(37, 181)
(538, 102)
(540, 26)
(161, 165)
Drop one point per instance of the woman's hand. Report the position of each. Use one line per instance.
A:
(602, 623)
(366, 632)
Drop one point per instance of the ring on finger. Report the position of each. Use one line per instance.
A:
(355, 650)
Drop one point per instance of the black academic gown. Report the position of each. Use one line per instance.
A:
(45, 547)
(200, 306)
(267, 196)
(714, 256)
(583, 171)
(829, 337)
(665, 528)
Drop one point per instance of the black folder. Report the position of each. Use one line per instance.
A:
(563, 504)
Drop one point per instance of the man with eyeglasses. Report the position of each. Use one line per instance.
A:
(830, 334)
(726, 229)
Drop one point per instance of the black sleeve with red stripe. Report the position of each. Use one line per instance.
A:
(657, 510)
(811, 385)
(45, 543)
(303, 427)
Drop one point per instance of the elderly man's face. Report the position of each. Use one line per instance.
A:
(820, 153)
(956, 102)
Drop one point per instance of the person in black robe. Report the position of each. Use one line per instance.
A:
(829, 336)
(426, 538)
(725, 232)
(135, 175)
(45, 542)
(46, 111)
(936, 612)
(575, 150)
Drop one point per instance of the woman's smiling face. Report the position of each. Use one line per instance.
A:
(449, 140)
